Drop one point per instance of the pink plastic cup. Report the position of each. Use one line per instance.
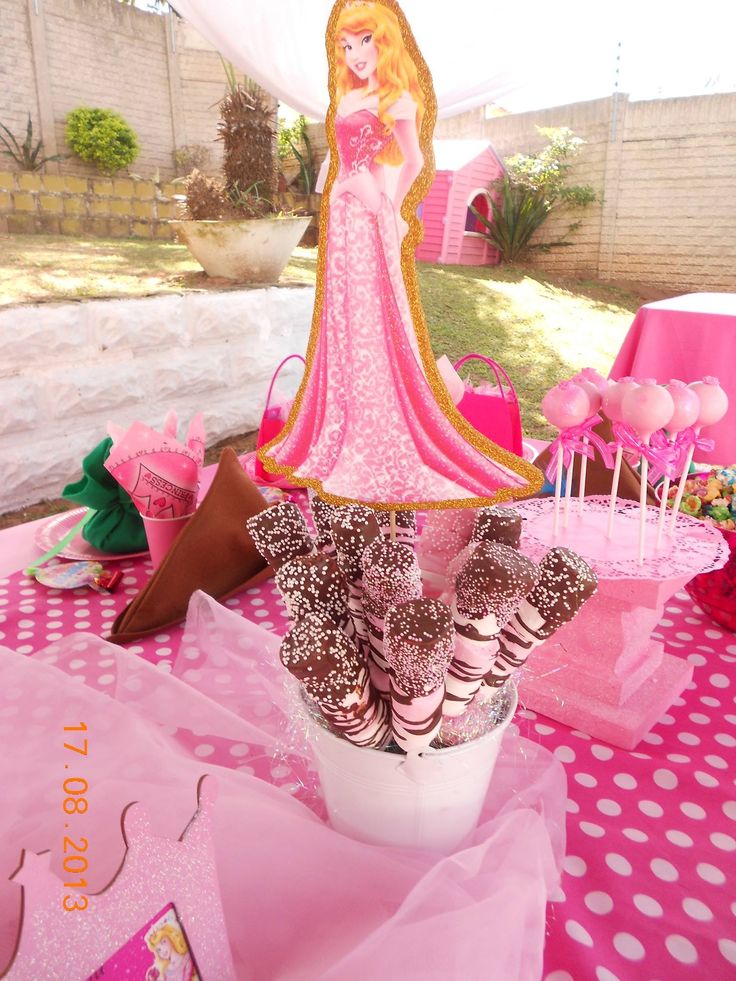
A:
(161, 534)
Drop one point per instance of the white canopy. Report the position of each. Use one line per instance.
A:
(522, 56)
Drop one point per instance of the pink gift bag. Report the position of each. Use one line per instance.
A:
(272, 422)
(494, 413)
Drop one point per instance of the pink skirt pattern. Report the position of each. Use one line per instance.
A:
(368, 426)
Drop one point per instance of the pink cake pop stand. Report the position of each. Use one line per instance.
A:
(603, 673)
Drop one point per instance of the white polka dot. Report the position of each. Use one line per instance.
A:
(709, 873)
(653, 738)
(599, 902)
(579, 734)
(593, 830)
(574, 865)
(586, 780)
(665, 779)
(725, 739)
(579, 933)
(666, 719)
(681, 949)
(719, 681)
(729, 809)
(609, 807)
(240, 749)
(678, 758)
(728, 950)
(635, 835)
(699, 719)
(689, 738)
(77, 663)
(106, 679)
(543, 730)
(664, 870)
(601, 752)
(725, 842)
(572, 806)
(679, 838)
(617, 863)
(559, 976)
(628, 946)
(565, 754)
(647, 905)
(694, 811)
(603, 974)
(717, 762)
(710, 701)
(204, 749)
(651, 808)
(697, 910)
(705, 779)
(625, 781)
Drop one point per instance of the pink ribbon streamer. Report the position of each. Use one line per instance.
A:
(662, 455)
(572, 441)
(688, 439)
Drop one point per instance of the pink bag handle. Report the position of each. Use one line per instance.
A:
(276, 375)
(495, 368)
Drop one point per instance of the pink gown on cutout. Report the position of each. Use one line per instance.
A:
(369, 427)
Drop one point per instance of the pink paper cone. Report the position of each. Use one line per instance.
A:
(161, 534)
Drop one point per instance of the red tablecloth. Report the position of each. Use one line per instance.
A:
(649, 889)
(687, 337)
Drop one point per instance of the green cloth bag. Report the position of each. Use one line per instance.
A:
(117, 526)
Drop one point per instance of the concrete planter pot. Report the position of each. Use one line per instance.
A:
(249, 251)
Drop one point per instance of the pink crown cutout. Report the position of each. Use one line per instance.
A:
(161, 912)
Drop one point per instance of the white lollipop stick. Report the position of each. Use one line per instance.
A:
(681, 488)
(662, 510)
(558, 492)
(643, 507)
(568, 488)
(614, 489)
(583, 475)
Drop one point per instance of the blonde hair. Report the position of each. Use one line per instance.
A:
(166, 932)
(396, 72)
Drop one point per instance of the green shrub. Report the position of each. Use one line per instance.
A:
(101, 137)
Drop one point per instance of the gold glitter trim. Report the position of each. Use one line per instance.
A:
(417, 193)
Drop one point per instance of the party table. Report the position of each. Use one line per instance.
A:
(687, 337)
(649, 884)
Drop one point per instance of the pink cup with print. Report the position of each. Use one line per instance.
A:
(161, 534)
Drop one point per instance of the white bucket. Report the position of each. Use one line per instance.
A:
(432, 801)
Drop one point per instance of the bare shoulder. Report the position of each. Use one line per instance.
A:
(404, 108)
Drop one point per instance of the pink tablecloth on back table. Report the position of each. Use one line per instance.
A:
(687, 337)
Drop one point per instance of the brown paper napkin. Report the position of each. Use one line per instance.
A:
(213, 553)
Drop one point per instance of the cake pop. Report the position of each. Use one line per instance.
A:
(595, 386)
(687, 408)
(612, 399)
(565, 407)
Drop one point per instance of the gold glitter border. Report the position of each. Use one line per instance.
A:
(417, 193)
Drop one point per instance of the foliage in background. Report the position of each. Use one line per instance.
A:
(532, 188)
(191, 156)
(247, 128)
(25, 154)
(101, 137)
(294, 141)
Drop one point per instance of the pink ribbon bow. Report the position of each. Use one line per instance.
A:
(662, 455)
(572, 440)
(688, 439)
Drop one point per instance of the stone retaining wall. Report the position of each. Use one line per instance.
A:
(66, 205)
(68, 368)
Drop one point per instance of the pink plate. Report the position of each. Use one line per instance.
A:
(51, 533)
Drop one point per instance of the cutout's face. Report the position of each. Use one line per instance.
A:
(164, 948)
(361, 53)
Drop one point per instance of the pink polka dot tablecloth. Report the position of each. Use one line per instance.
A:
(649, 884)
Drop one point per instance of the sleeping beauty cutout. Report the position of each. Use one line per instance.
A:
(373, 421)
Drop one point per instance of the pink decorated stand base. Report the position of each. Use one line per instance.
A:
(603, 673)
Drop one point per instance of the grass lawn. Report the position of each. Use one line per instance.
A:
(540, 328)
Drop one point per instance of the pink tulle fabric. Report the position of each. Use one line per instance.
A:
(301, 900)
(369, 427)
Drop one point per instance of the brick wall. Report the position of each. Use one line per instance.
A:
(666, 171)
(63, 204)
(161, 76)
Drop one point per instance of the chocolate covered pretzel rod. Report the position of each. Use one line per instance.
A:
(418, 645)
(488, 590)
(334, 675)
(353, 528)
(496, 525)
(565, 583)
(280, 534)
(322, 513)
(391, 576)
(313, 584)
(405, 523)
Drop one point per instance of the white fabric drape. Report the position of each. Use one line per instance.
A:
(477, 51)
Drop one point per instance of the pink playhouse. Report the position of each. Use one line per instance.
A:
(464, 169)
